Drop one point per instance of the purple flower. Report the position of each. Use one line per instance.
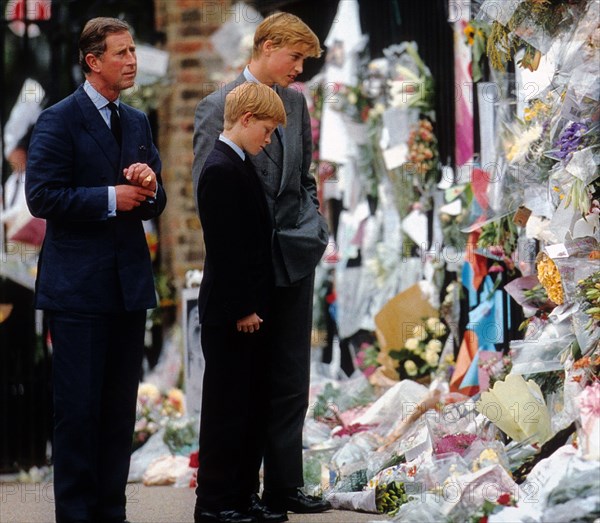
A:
(571, 139)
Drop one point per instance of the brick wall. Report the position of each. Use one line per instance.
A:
(187, 25)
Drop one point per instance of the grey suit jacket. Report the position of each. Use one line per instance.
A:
(300, 233)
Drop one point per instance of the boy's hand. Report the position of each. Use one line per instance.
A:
(249, 324)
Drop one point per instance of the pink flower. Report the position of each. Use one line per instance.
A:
(458, 443)
(369, 370)
(589, 400)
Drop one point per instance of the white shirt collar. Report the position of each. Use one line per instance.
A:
(239, 151)
(97, 99)
(249, 76)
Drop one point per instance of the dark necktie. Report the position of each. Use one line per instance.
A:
(115, 122)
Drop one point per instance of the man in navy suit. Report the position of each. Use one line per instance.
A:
(94, 174)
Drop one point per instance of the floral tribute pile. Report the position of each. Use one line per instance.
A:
(483, 404)
(165, 439)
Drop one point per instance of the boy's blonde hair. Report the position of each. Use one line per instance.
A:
(259, 99)
(285, 29)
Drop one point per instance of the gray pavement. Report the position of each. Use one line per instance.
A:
(34, 503)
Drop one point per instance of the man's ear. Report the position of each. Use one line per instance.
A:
(93, 62)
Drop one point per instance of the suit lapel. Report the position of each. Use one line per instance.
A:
(286, 143)
(257, 190)
(97, 128)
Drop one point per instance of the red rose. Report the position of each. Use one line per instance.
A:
(194, 462)
(504, 499)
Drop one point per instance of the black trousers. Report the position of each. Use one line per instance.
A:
(288, 382)
(96, 368)
(233, 419)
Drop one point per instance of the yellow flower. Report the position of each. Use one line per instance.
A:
(148, 392)
(411, 344)
(431, 357)
(469, 31)
(419, 332)
(549, 277)
(489, 455)
(175, 399)
(411, 368)
(434, 346)
(435, 326)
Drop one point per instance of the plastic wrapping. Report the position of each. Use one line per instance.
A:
(483, 454)
(317, 476)
(166, 470)
(455, 428)
(363, 501)
(339, 402)
(427, 509)
(465, 494)
(439, 470)
(315, 433)
(543, 355)
(349, 463)
(397, 402)
(154, 448)
(545, 345)
(578, 49)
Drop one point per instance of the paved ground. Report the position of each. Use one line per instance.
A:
(33, 503)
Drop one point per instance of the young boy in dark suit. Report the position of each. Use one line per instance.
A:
(282, 42)
(234, 304)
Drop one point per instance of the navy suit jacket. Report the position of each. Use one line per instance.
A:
(238, 276)
(90, 262)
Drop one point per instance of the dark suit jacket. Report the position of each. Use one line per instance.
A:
(237, 278)
(90, 262)
(300, 233)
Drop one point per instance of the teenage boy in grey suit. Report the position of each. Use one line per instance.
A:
(299, 237)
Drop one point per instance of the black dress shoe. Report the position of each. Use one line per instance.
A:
(263, 513)
(223, 516)
(295, 501)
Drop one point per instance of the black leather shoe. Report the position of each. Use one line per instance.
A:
(263, 513)
(296, 501)
(224, 516)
